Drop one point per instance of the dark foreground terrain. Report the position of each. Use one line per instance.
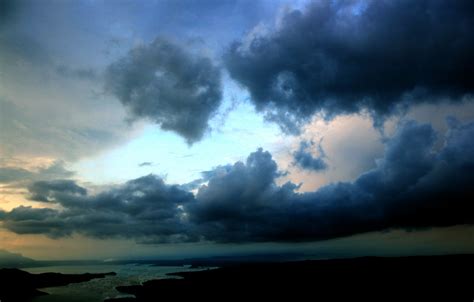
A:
(433, 278)
(17, 285)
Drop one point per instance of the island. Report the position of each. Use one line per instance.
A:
(17, 285)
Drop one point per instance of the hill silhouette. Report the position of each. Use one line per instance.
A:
(17, 285)
(14, 260)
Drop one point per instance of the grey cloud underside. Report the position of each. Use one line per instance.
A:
(170, 86)
(304, 159)
(414, 185)
(141, 208)
(45, 191)
(9, 175)
(339, 57)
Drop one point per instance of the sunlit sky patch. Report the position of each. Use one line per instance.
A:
(170, 156)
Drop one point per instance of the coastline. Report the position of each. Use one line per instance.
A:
(422, 278)
(18, 285)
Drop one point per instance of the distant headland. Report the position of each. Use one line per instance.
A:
(17, 285)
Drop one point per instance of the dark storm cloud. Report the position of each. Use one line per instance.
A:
(339, 57)
(305, 160)
(236, 205)
(169, 85)
(29, 220)
(141, 208)
(47, 190)
(417, 184)
(412, 186)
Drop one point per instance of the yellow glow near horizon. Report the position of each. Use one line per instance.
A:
(447, 240)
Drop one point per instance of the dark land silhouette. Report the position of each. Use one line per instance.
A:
(419, 278)
(14, 260)
(17, 285)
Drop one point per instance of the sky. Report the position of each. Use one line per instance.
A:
(148, 129)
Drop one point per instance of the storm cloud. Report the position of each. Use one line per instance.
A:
(418, 183)
(338, 57)
(141, 208)
(304, 159)
(169, 85)
(414, 185)
(47, 190)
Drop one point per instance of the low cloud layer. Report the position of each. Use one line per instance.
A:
(141, 208)
(337, 57)
(415, 185)
(9, 175)
(167, 84)
(51, 190)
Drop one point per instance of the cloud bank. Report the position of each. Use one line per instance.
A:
(415, 185)
(141, 208)
(338, 57)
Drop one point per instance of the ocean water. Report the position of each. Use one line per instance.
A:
(97, 290)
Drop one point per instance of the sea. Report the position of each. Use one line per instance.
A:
(97, 290)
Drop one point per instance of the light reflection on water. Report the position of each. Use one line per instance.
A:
(97, 290)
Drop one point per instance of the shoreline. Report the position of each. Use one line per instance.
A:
(19, 285)
(421, 278)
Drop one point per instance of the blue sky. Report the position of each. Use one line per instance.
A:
(170, 156)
